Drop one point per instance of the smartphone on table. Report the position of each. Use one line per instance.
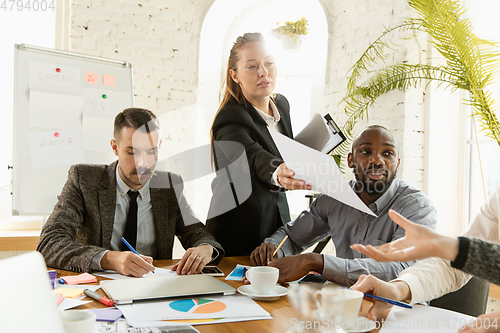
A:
(212, 270)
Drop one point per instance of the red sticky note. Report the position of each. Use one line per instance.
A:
(91, 78)
(108, 80)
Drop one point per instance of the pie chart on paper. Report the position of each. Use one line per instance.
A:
(198, 305)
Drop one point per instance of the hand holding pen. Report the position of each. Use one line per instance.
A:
(374, 288)
(265, 253)
(127, 263)
(132, 249)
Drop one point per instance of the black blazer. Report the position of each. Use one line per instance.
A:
(251, 211)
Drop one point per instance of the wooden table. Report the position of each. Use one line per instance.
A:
(279, 309)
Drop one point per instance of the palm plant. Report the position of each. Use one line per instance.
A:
(470, 64)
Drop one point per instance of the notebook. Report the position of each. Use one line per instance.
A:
(27, 300)
(129, 290)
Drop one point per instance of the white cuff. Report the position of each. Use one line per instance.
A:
(215, 252)
(274, 178)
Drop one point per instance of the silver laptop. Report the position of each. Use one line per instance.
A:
(28, 303)
(127, 291)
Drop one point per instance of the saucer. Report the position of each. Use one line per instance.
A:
(365, 326)
(278, 291)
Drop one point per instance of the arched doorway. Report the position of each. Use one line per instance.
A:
(301, 71)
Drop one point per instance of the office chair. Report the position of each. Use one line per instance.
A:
(471, 299)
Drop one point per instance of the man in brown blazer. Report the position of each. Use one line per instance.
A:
(84, 231)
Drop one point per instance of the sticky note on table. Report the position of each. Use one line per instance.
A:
(69, 292)
(107, 314)
(91, 78)
(108, 80)
(58, 297)
(79, 279)
(238, 273)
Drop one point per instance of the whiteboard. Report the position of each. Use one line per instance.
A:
(64, 107)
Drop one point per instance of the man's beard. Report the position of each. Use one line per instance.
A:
(374, 187)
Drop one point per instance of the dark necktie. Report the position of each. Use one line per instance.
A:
(131, 227)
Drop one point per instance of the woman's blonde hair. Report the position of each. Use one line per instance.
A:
(232, 90)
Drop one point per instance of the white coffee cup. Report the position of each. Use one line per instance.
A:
(263, 279)
(341, 304)
(78, 321)
(352, 305)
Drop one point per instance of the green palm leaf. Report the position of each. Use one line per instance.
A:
(470, 64)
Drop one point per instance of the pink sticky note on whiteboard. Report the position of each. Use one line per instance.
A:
(108, 80)
(91, 78)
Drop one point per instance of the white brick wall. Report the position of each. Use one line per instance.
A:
(353, 26)
(161, 40)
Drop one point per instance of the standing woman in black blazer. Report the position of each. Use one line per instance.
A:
(249, 202)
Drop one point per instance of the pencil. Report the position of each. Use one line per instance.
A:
(279, 246)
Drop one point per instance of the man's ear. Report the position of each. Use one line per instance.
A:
(114, 146)
(349, 160)
(234, 75)
(399, 160)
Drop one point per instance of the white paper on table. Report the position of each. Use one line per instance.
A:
(318, 170)
(44, 77)
(98, 116)
(204, 307)
(121, 326)
(52, 110)
(68, 303)
(128, 313)
(160, 323)
(55, 148)
(117, 276)
(423, 318)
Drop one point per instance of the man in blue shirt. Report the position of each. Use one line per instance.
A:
(374, 159)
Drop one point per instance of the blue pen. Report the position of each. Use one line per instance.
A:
(131, 248)
(61, 281)
(383, 299)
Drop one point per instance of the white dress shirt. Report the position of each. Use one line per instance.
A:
(272, 123)
(146, 236)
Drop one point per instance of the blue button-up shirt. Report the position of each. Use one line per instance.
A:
(347, 226)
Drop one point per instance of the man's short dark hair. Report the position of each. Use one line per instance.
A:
(135, 118)
(378, 126)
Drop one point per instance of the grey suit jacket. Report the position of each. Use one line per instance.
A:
(81, 224)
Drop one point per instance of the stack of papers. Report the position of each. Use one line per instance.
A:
(69, 292)
(67, 302)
